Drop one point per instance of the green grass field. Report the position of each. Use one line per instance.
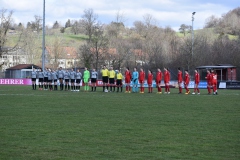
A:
(86, 125)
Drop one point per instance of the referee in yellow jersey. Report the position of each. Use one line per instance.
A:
(111, 74)
(119, 80)
(105, 78)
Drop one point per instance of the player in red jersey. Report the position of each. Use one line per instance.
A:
(141, 80)
(149, 81)
(158, 81)
(197, 80)
(180, 80)
(128, 80)
(166, 80)
(186, 82)
(214, 82)
(209, 81)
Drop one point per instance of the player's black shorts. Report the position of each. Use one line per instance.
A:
(45, 79)
(111, 80)
(50, 81)
(78, 80)
(33, 79)
(66, 80)
(93, 80)
(55, 80)
(119, 82)
(105, 79)
(40, 80)
(72, 80)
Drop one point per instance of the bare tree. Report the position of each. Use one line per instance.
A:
(5, 24)
(31, 45)
(4, 27)
(75, 27)
(36, 25)
(85, 55)
(100, 44)
(211, 22)
(89, 22)
(95, 52)
(57, 51)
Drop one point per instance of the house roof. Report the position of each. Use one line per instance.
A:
(23, 66)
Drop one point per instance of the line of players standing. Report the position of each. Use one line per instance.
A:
(48, 79)
(139, 77)
(211, 81)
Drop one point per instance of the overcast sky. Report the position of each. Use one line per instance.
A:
(171, 13)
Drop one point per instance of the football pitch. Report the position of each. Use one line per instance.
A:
(95, 125)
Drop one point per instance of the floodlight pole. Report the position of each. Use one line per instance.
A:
(43, 37)
(192, 31)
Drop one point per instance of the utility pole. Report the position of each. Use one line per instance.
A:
(192, 32)
(43, 38)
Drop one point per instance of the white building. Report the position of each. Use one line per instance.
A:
(11, 57)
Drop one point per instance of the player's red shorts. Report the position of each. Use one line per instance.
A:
(141, 81)
(166, 82)
(127, 80)
(158, 82)
(196, 83)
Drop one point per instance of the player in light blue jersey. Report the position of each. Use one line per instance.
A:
(60, 75)
(78, 80)
(135, 76)
(50, 79)
(34, 77)
(94, 76)
(66, 80)
(72, 75)
(54, 78)
(45, 79)
(40, 79)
